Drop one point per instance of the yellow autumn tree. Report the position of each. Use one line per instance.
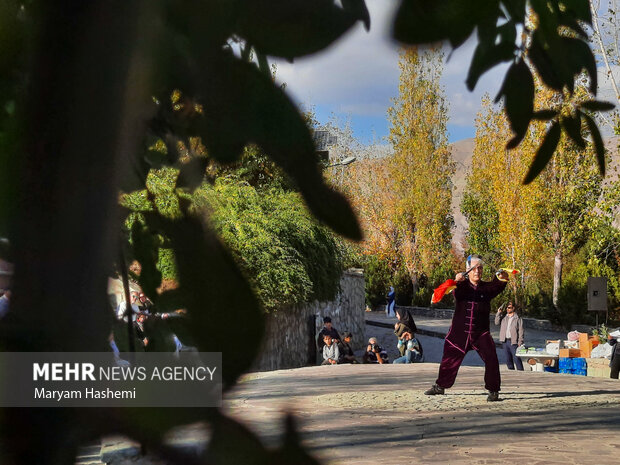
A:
(497, 206)
(532, 227)
(421, 168)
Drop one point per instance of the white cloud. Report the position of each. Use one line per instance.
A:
(359, 71)
(464, 105)
(358, 75)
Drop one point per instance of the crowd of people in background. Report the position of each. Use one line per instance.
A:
(335, 349)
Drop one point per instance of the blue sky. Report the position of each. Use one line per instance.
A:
(357, 77)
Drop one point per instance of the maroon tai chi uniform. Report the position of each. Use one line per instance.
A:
(470, 330)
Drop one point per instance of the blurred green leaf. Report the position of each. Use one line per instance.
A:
(544, 153)
(292, 452)
(596, 105)
(192, 173)
(293, 28)
(145, 251)
(234, 443)
(572, 126)
(359, 10)
(543, 63)
(246, 107)
(488, 53)
(181, 327)
(422, 22)
(578, 9)
(599, 145)
(156, 159)
(516, 9)
(169, 301)
(222, 307)
(159, 334)
(544, 115)
(263, 64)
(579, 57)
(518, 93)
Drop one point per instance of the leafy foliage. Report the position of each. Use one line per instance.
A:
(422, 165)
(286, 254)
(553, 44)
(77, 81)
(407, 240)
(537, 228)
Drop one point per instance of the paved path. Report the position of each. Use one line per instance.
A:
(431, 332)
(377, 414)
(370, 414)
(439, 327)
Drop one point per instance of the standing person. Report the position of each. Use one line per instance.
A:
(614, 363)
(391, 302)
(470, 328)
(510, 334)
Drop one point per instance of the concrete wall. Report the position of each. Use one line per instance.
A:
(291, 332)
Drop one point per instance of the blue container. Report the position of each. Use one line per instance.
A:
(579, 363)
(565, 363)
(580, 372)
(565, 371)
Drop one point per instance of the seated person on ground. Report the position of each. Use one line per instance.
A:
(331, 353)
(374, 352)
(405, 323)
(410, 350)
(347, 354)
(327, 329)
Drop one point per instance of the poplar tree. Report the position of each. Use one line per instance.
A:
(421, 167)
(534, 227)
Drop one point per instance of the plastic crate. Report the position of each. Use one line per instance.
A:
(579, 372)
(565, 363)
(565, 371)
(579, 363)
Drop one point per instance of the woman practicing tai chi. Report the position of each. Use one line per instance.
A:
(470, 328)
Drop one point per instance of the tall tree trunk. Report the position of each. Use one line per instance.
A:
(557, 276)
(415, 284)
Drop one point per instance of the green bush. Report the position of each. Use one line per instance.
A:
(288, 256)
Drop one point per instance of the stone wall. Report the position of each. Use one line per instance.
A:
(291, 332)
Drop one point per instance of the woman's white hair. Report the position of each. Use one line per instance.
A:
(471, 258)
